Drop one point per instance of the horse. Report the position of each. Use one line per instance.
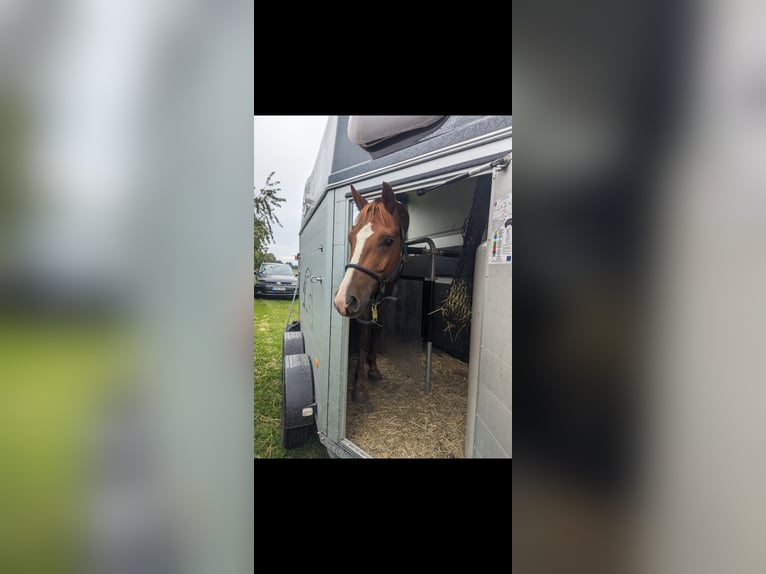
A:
(378, 249)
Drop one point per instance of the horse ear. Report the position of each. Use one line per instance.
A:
(358, 199)
(389, 200)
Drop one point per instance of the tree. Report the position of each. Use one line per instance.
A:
(265, 203)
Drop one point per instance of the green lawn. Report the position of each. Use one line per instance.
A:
(270, 317)
(54, 375)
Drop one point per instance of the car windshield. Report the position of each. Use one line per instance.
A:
(277, 270)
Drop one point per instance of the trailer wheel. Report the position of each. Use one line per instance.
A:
(298, 406)
(292, 343)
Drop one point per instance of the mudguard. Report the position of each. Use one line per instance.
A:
(298, 391)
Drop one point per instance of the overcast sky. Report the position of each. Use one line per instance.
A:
(287, 145)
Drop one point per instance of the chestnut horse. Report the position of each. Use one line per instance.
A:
(377, 253)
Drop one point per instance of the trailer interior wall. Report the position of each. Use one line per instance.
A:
(440, 213)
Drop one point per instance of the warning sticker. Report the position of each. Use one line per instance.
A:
(501, 231)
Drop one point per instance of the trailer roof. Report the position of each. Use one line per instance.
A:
(350, 159)
(340, 159)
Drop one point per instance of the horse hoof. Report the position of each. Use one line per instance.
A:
(374, 375)
(359, 396)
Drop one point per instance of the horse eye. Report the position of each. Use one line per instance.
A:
(388, 241)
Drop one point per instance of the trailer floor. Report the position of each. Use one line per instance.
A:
(400, 420)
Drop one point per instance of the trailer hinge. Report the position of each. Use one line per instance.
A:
(501, 162)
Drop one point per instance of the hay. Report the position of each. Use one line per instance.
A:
(400, 420)
(456, 308)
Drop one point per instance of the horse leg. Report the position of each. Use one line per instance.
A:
(374, 374)
(359, 390)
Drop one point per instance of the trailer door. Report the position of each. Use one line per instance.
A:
(489, 423)
(315, 243)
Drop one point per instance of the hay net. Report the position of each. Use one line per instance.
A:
(456, 305)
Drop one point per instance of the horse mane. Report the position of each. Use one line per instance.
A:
(377, 211)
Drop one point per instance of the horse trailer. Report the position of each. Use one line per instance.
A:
(445, 341)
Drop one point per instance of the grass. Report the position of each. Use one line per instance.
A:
(270, 317)
(53, 375)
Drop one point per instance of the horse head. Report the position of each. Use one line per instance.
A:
(377, 252)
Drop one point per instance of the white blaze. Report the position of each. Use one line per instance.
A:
(361, 238)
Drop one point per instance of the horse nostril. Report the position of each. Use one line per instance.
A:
(352, 304)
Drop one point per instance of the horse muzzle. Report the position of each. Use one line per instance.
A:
(350, 307)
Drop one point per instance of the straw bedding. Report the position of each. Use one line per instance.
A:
(400, 420)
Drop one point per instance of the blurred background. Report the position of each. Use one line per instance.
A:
(125, 280)
(640, 140)
(126, 181)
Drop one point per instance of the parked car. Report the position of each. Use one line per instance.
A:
(275, 280)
